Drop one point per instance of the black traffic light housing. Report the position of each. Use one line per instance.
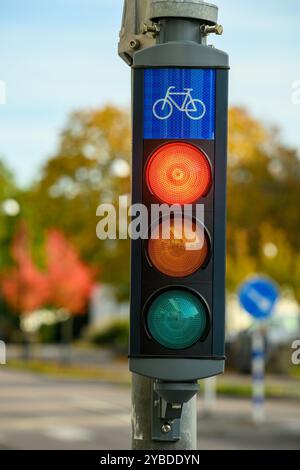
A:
(206, 357)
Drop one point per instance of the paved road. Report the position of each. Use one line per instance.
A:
(41, 413)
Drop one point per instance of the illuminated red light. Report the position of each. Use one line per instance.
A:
(178, 173)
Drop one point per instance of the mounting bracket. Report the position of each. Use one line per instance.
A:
(168, 400)
(141, 21)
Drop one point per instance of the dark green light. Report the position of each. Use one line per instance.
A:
(177, 319)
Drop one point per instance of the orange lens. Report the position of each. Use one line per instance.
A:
(178, 173)
(184, 253)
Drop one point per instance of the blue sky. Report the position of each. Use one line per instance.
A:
(57, 56)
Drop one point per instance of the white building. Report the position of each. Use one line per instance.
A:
(103, 306)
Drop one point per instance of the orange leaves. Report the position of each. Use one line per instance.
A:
(246, 135)
(66, 283)
(24, 287)
(70, 280)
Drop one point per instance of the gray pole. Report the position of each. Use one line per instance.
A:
(145, 23)
(141, 420)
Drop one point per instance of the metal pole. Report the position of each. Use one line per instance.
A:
(166, 21)
(141, 420)
(210, 395)
(258, 375)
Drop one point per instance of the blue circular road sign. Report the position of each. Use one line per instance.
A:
(258, 297)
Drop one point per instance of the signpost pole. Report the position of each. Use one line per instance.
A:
(258, 296)
(258, 374)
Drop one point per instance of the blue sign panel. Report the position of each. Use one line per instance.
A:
(258, 297)
(179, 103)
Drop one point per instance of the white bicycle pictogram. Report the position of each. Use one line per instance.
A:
(194, 108)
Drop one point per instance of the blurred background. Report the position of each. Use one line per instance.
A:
(64, 149)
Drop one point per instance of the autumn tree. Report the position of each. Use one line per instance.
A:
(70, 284)
(91, 166)
(70, 281)
(7, 183)
(24, 287)
(263, 212)
(8, 224)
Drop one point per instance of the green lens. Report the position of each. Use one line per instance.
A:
(177, 319)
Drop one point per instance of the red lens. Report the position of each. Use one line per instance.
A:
(178, 173)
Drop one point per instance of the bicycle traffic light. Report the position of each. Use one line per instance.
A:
(180, 107)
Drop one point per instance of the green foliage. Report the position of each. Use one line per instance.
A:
(228, 386)
(263, 198)
(106, 373)
(114, 334)
(7, 183)
(263, 209)
(8, 190)
(84, 173)
(9, 323)
(49, 334)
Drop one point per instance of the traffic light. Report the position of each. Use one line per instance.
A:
(180, 107)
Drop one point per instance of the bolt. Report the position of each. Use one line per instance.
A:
(216, 29)
(166, 428)
(154, 29)
(134, 44)
(219, 29)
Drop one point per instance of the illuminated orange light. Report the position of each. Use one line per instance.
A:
(178, 173)
(178, 257)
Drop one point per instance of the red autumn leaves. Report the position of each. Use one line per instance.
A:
(69, 279)
(65, 283)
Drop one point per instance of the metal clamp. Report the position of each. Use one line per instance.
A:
(132, 35)
(168, 400)
(141, 22)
